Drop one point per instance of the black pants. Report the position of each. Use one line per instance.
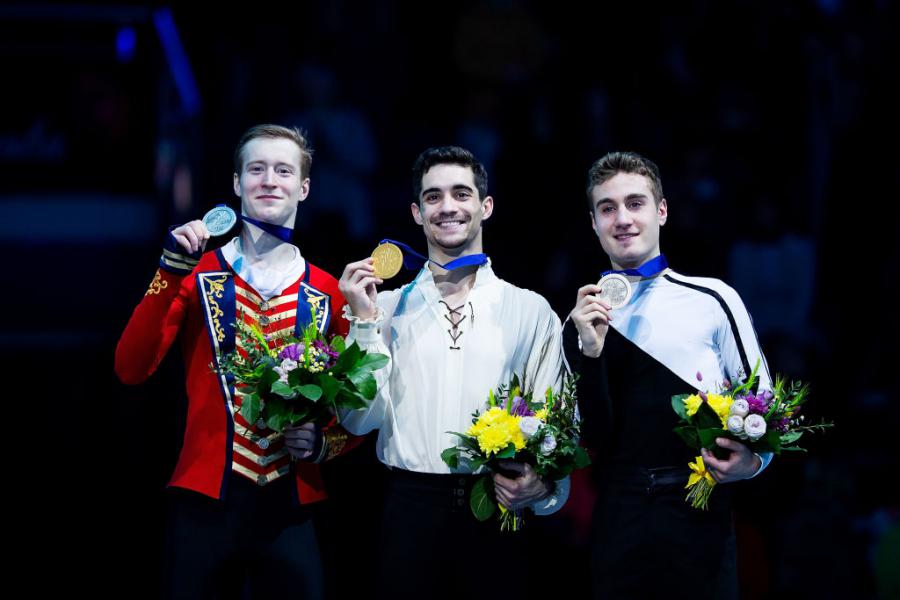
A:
(433, 547)
(256, 543)
(647, 542)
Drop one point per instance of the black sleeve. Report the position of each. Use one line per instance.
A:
(593, 391)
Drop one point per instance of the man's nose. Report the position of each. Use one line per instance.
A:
(447, 204)
(623, 217)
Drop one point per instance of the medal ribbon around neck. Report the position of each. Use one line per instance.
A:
(648, 269)
(414, 260)
(282, 233)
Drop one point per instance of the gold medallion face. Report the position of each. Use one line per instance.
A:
(388, 260)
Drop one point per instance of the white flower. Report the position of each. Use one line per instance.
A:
(735, 424)
(755, 427)
(287, 365)
(529, 426)
(740, 408)
(548, 444)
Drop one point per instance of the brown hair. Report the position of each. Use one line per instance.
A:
(275, 131)
(614, 163)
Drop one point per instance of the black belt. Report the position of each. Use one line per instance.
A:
(432, 488)
(648, 479)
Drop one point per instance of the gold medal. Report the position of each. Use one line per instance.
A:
(388, 260)
(615, 290)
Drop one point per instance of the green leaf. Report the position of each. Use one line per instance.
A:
(348, 358)
(330, 387)
(364, 382)
(278, 421)
(373, 361)
(300, 414)
(481, 500)
(581, 458)
(688, 433)
(278, 415)
(476, 462)
(266, 379)
(678, 405)
(508, 452)
(790, 437)
(451, 457)
(706, 417)
(311, 391)
(283, 390)
(708, 437)
(338, 343)
(250, 408)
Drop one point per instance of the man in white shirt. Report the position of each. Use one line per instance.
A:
(674, 334)
(452, 334)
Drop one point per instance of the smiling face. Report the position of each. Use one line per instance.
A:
(626, 219)
(271, 182)
(450, 210)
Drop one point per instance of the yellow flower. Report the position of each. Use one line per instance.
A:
(541, 414)
(699, 472)
(493, 440)
(720, 404)
(495, 429)
(692, 404)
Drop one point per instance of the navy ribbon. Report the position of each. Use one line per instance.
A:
(282, 233)
(414, 260)
(648, 269)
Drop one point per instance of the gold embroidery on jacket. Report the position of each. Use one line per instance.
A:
(215, 290)
(157, 284)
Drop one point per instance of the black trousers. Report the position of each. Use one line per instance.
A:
(647, 542)
(433, 547)
(256, 543)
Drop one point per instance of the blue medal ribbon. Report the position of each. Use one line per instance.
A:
(648, 269)
(414, 260)
(282, 233)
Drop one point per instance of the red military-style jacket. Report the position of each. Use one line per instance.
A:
(195, 300)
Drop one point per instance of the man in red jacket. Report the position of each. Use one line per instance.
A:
(240, 493)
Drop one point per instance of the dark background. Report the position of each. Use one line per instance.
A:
(773, 123)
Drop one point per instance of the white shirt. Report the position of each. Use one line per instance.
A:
(433, 384)
(268, 282)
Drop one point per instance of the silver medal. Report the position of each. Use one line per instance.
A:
(615, 290)
(219, 220)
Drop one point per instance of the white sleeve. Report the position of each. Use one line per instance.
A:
(367, 333)
(740, 351)
(554, 501)
(548, 365)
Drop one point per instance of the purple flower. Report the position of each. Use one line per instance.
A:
(325, 353)
(781, 425)
(520, 407)
(699, 376)
(293, 352)
(758, 404)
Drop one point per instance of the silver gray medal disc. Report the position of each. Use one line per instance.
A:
(615, 290)
(219, 220)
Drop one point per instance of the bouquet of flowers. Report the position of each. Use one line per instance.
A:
(288, 380)
(765, 422)
(514, 426)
